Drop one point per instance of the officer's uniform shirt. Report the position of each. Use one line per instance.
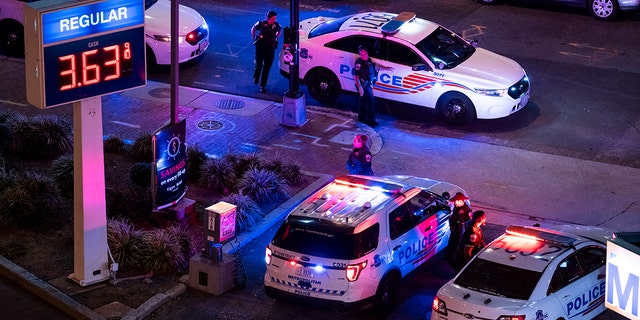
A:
(267, 34)
(365, 70)
(360, 161)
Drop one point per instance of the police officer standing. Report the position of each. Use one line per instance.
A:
(359, 161)
(265, 35)
(365, 73)
(471, 240)
(460, 214)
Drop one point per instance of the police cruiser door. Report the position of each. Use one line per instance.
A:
(578, 285)
(413, 232)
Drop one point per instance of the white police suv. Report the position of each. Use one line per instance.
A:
(530, 273)
(349, 244)
(432, 66)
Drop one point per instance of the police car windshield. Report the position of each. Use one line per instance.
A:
(498, 279)
(444, 47)
(149, 3)
(328, 27)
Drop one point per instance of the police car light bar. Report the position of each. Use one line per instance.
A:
(393, 26)
(538, 234)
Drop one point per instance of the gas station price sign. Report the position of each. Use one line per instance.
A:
(78, 50)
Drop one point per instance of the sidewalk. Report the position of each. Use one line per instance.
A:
(515, 186)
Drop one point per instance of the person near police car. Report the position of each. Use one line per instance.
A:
(471, 239)
(365, 72)
(359, 161)
(460, 214)
(265, 35)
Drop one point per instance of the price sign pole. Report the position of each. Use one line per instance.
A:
(76, 52)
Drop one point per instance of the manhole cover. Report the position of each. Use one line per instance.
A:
(160, 92)
(210, 125)
(229, 104)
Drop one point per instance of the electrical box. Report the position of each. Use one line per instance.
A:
(220, 224)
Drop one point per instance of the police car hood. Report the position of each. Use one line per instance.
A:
(480, 305)
(490, 70)
(157, 19)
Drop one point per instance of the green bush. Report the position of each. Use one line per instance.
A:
(161, 253)
(125, 243)
(247, 161)
(140, 174)
(263, 186)
(190, 241)
(114, 144)
(290, 171)
(41, 136)
(195, 160)
(16, 205)
(142, 148)
(218, 175)
(248, 213)
(62, 172)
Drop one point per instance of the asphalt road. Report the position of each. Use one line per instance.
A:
(584, 73)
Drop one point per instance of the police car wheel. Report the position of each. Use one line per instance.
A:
(323, 85)
(605, 10)
(456, 108)
(386, 294)
(12, 38)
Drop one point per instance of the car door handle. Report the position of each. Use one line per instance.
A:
(601, 276)
(396, 247)
(428, 228)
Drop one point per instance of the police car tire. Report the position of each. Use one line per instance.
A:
(604, 15)
(456, 108)
(323, 85)
(386, 294)
(12, 38)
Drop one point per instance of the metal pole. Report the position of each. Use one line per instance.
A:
(294, 105)
(175, 67)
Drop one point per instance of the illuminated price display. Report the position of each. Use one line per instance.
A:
(93, 66)
(79, 51)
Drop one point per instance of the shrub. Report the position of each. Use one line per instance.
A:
(195, 160)
(290, 171)
(246, 162)
(140, 174)
(130, 201)
(142, 148)
(125, 243)
(218, 175)
(62, 172)
(114, 144)
(15, 205)
(41, 136)
(161, 251)
(263, 186)
(190, 242)
(248, 213)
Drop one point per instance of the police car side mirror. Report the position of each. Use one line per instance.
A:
(420, 67)
(474, 43)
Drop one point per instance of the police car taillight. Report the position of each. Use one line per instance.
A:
(521, 317)
(267, 256)
(439, 306)
(353, 271)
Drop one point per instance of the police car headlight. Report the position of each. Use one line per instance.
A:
(492, 92)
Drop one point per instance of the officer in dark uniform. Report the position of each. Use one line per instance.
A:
(359, 161)
(365, 72)
(265, 35)
(460, 214)
(471, 240)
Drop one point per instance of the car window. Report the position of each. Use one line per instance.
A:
(149, 3)
(399, 53)
(401, 220)
(592, 258)
(326, 242)
(351, 44)
(446, 48)
(424, 205)
(498, 279)
(568, 271)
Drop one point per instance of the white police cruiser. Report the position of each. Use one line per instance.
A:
(349, 244)
(432, 66)
(530, 273)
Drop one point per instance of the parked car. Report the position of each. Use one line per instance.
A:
(606, 10)
(349, 244)
(193, 30)
(530, 273)
(433, 67)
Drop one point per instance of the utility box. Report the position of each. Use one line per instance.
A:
(220, 223)
(214, 277)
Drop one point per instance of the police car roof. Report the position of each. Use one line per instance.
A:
(412, 31)
(534, 248)
(349, 200)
